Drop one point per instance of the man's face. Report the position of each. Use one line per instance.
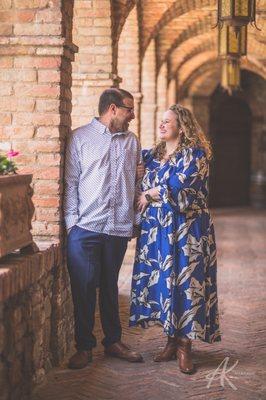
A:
(122, 116)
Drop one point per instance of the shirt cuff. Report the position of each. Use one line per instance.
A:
(71, 220)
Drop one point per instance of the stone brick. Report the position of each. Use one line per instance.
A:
(35, 119)
(17, 16)
(26, 159)
(37, 29)
(48, 173)
(5, 89)
(47, 105)
(29, 75)
(16, 104)
(37, 91)
(5, 4)
(48, 16)
(46, 202)
(37, 62)
(48, 76)
(5, 119)
(43, 187)
(6, 30)
(46, 132)
(47, 214)
(38, 146)
(6, 62)
(87, 4)
(25, 132)
(17, 50)
(49, 159)
(31, 3)
(46, 229)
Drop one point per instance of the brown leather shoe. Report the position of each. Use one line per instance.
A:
(169, 352)
(121, 350)
(185, 356)
(80, 359)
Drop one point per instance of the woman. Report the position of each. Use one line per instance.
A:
(174, 276)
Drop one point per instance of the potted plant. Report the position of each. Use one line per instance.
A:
(16, 207)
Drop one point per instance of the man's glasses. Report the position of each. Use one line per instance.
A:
(131, 109)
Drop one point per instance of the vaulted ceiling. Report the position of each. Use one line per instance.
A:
(184, 36)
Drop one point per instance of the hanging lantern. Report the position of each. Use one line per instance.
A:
(230, 74)
(230, 44)
(236, 13)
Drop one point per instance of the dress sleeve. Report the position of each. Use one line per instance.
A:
(180, 189)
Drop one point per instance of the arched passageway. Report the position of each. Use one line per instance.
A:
(230, 134)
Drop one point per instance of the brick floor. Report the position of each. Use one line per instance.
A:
(241, 238)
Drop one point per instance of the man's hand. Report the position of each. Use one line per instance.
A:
(140, 171)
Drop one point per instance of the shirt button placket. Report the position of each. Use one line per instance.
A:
(113, 184)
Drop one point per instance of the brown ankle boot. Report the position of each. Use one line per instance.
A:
(169, 352)
(184, 355)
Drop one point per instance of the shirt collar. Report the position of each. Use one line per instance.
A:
(104, 129)
(99, 126)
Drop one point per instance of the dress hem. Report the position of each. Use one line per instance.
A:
(148, 322)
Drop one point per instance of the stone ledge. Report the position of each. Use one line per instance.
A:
(17, 272)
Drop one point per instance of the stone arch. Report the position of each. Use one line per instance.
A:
(192, 30)
(174, 11)
(189, 48)
(210, 63)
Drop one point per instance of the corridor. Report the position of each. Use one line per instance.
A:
(241, 242)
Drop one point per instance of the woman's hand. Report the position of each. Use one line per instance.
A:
(154, 193)
(142, 202)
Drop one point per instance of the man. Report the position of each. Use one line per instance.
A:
(100, 180)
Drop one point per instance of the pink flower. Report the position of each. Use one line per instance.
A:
(12, 153)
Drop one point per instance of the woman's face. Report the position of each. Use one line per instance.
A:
(168, 126)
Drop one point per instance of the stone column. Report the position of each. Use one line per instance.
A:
(35, 74)
(162, 100)
(171, 92)
(93, 66)
(128, 65)
(148, 90)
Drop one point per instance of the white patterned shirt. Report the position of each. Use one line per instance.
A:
(100, 179)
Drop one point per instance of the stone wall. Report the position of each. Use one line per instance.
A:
(35, 320)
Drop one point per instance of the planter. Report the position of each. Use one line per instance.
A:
(16, 212)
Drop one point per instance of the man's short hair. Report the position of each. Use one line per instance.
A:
(112, 96)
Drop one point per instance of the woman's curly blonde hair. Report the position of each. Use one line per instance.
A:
(191, 136)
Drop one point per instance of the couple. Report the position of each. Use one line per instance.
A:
(174, 276)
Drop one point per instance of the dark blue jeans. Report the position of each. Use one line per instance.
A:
(94, 259)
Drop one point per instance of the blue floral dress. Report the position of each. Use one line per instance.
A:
(174, 276)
